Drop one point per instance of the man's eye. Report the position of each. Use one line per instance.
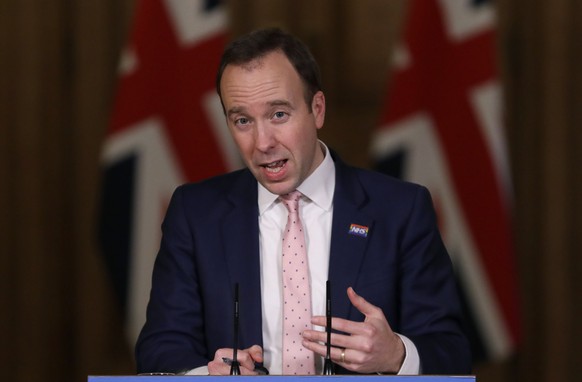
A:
(241, 121)
(279, 115)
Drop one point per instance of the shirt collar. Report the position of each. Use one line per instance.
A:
(318, 187)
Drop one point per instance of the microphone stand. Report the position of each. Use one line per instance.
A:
(328, 365)
(235, 367)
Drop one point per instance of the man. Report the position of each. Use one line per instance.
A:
(375, 238)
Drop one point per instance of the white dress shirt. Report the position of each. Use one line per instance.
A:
(316, 210)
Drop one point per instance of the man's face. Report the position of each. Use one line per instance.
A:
(270, 121)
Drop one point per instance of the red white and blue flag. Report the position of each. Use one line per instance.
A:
(167, 128)
(442, 127)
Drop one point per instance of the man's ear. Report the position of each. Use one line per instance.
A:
(318, 108)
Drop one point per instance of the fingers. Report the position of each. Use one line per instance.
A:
(367, 346)
(338, 340)
(339, 324)
(256, 353)
(342, 325)
(221, 364)
(321, 349)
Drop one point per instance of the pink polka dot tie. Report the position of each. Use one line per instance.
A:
(296, 293)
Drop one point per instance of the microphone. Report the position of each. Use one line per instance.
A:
(234, 366)
(328, 365)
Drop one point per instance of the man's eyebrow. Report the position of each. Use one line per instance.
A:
(235, 110)
(277, 102)
(281, 103)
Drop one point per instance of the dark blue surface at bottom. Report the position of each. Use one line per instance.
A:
(280, 378)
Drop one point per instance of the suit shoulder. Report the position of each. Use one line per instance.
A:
(373, 180)
(217, 188)
(216, 184)
(382, 193)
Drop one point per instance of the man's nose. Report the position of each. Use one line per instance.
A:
(265, 139)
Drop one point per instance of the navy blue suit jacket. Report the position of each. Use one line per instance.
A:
(210, 242)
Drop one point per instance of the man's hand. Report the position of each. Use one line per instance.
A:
(367, 347)
(245, 357)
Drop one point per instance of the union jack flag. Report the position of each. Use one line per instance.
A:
(442, 127)
(167, 127)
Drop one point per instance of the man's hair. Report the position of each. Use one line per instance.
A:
(259, 43)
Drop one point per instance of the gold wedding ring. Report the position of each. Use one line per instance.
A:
(343, 356)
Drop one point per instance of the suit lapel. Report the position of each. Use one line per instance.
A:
(240, 238)
(349, 238)
(240, 232)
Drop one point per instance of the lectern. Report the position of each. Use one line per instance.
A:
(286, 378)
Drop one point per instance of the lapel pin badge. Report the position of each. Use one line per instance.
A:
(358, 230)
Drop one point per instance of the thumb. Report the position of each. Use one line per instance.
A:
(256, 353)
(362, 304)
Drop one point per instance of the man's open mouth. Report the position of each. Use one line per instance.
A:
(275, 167)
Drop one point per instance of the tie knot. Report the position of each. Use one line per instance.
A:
(291, 200)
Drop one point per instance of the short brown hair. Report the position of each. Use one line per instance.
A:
(259, 43)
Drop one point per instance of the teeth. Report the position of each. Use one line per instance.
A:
(275, 167)
(274, 170)
(275, 164)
